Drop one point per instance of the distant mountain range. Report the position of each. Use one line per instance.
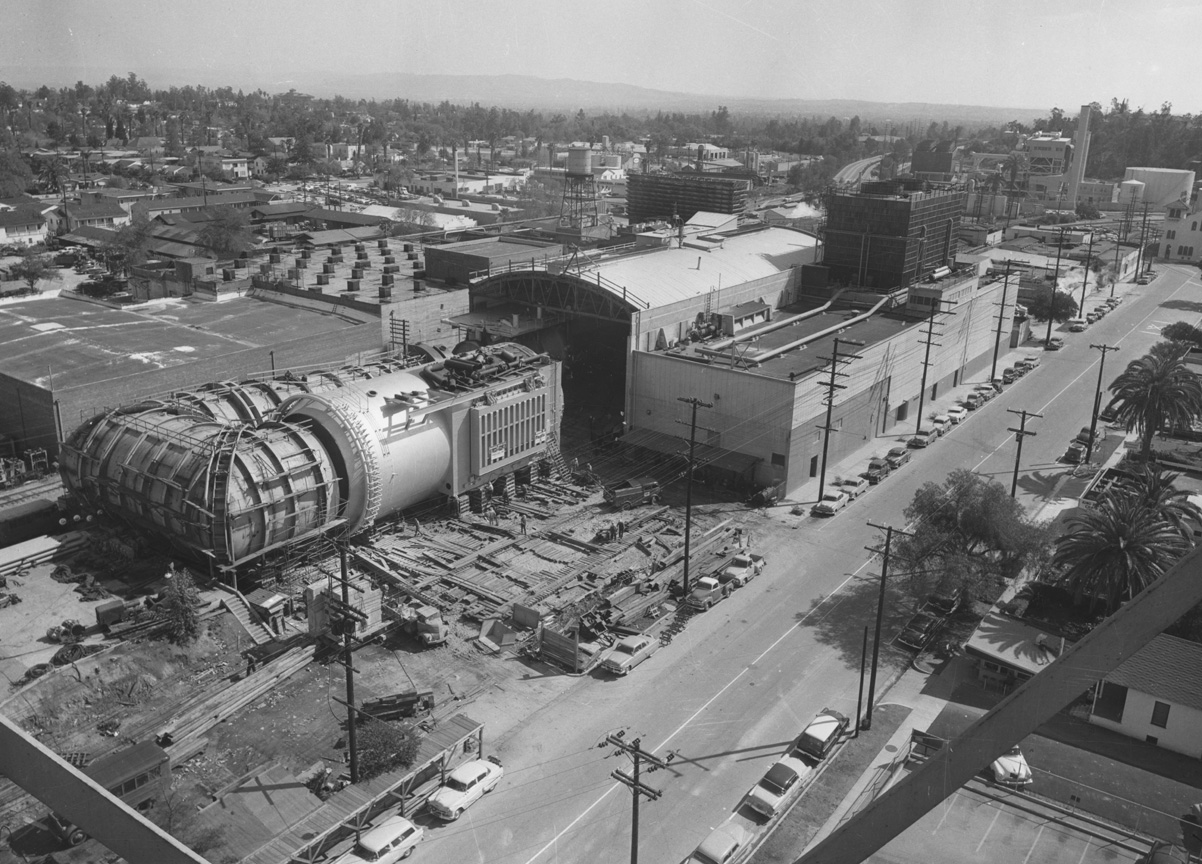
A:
(529, 92)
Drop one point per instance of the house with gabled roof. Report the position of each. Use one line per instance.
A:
(22, 226)
(1156, 696)
(97, 214)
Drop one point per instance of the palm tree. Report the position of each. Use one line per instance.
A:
(1156, 392)
(1112, 552)
(1158, 490)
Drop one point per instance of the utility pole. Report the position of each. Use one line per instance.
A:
(637, 788)
(1085, 281)
(860, 695)
(880, 611)
(343, 617)
(1143, 233)
(1097, 399)
(1020, 433)
(1055, 282)
(1114, 280)
(926, 359)
(688, 494)
(1001, 321)
(830, 400)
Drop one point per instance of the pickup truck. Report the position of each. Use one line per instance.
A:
(707, 591)
(742, 569)
(632, 493)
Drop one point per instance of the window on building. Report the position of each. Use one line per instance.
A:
(1160, 714)
(814, 466)
(1171, 234)
(778, 459)
(1152, 739)
(1194, 225)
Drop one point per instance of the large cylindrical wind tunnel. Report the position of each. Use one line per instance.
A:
(389, 452)
(226, 491)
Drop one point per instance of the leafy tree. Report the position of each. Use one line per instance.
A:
(181, 605)
(968, 531)
(33, 268)
(1060, 305)
(15, 176)
(1183, 331)
(128, 247)
(384, 746)
(1157, 392)
(52, 173)
(226, 234)
(1112, 552)
(1088, 210)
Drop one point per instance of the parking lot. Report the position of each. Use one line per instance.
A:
(973, 827)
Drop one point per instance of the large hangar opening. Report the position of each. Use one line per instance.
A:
(579, 321)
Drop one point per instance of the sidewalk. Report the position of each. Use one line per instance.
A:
(926, 695)
(899, 433)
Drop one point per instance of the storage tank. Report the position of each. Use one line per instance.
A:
(1131, 191)
(219, 489)
(387, 456)
(580, 161)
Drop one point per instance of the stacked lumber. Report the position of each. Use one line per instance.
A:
(21, 556)
(196, 720)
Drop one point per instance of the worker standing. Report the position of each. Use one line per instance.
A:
(522, 522)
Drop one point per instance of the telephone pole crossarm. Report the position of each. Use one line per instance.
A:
(688, 494)
(1020, 433)
(835, 359)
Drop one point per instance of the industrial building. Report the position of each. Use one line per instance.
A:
(889, 233)
(932, 160)
(664, 196)
(229, 472)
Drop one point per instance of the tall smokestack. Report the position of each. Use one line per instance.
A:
(455, 156)
(1080, 154)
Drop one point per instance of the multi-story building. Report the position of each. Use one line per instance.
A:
(662, 196)
(889, 234)
(1182, 238)
(1047, 153)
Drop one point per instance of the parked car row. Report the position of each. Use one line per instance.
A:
(926, 623)
(783, 782)
(843, 491)
(396, 837)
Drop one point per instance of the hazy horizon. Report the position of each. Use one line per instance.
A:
(1019, 54)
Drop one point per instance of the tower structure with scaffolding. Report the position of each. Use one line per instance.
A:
(578, 213)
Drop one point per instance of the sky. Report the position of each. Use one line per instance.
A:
(998, 53)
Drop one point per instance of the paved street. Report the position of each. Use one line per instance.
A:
(738, 684)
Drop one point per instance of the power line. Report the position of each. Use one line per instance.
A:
(638, 789)
(688, 495)
(1020, 433)
(834, 360)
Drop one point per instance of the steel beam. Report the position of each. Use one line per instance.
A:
(71, 793)
(1103, 650)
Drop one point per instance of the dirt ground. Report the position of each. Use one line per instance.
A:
(130, 689)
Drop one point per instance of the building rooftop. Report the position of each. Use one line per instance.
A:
(82, 344)
(804, 360)
(21, 216)
(666, 275)
(1167, 668)
(1005, 639)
